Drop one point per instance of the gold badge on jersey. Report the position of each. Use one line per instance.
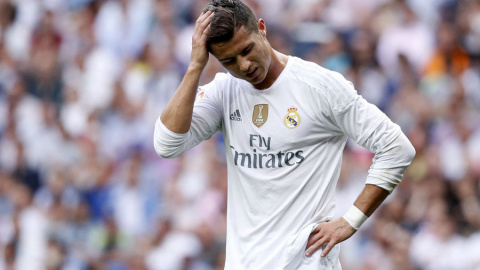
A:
(292, 119)
(260, 114)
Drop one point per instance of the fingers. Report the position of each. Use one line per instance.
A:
(202, 26)
(323, 242)
(202, 16)
(207, 20)
(316, 246)
(327, 249)
(322, 236)
(327, 235)
(199, 57)
(314, 237)
(203, 21)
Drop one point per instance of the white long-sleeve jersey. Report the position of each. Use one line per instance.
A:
(284, 150)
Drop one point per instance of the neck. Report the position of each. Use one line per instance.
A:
(279, 61)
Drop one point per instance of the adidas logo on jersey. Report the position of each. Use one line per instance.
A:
(235, 116)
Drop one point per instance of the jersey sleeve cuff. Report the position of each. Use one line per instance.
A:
(168, 132)
(388, 186)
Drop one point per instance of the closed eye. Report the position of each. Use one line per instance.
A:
(248, 49)
(228, 61)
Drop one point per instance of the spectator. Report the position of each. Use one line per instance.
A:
(81, 84)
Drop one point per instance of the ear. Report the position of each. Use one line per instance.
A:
(262, 27)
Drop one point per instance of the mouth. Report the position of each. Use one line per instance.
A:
(252, 74)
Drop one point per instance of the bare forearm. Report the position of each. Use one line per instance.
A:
(177, 115)
(370, 198)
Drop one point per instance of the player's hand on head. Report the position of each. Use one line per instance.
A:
(329, 234)
(199, 55)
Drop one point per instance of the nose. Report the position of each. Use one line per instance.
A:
(244, 64)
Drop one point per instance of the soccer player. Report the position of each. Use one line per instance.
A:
(285, 123)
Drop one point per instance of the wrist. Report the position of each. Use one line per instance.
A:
(195, 67)
(355, 217)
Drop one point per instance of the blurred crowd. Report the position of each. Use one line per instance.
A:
(82, 83)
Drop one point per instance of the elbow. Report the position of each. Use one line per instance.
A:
(160, 150)
(388, 170)
(165, 146)
(409, 152)
(405, 158)
(165, 152)
(162, 153)
(405, 151)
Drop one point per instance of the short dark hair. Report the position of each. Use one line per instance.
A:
(229, 16)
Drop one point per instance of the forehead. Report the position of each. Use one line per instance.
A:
(234, 46)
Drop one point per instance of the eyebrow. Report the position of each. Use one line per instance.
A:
(250, 45)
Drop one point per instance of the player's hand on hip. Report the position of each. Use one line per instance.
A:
(328, 233)
(199, 57)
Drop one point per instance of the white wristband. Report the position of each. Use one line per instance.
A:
(355, 217)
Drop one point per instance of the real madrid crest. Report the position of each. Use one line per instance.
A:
(260, 114)
(292, 119)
